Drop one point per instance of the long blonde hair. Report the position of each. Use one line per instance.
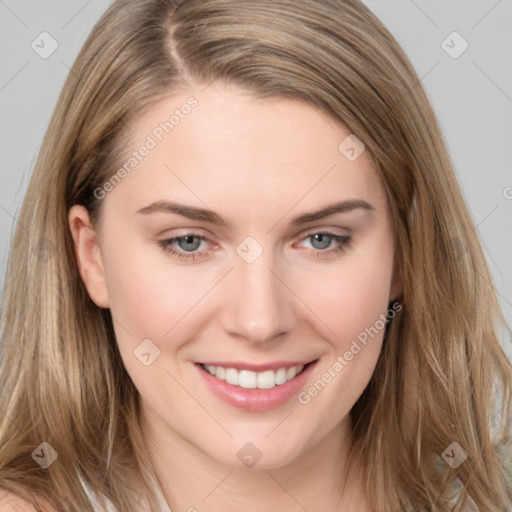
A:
(442, 376)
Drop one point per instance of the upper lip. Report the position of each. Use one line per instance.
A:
(274, 365)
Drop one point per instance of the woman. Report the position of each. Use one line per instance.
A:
(245, 279)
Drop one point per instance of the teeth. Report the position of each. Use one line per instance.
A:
(291, 372)
(232, 376)
(210, 368)
(247, 379)
(281, 376)
(252, 380)
(266, 380)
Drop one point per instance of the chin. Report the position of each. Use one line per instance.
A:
(262, 455)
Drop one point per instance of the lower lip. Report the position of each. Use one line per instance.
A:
(257, 400)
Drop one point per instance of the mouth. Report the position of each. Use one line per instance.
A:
(256, 388)
(248, 379)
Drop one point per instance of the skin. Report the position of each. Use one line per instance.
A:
(258, 164)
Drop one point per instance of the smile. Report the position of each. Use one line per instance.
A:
(248, 379)
(256, 388)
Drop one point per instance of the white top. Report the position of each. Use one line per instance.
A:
(109, 507)
(164, 507)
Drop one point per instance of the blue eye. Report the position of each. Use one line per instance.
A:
(322, 245)
(322, 241)
(188, 243)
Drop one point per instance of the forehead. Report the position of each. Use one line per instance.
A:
(229, 148)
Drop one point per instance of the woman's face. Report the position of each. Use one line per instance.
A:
(252, 236)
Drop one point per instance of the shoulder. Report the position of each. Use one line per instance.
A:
(11, 502)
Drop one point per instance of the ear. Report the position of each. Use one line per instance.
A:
(88, 255)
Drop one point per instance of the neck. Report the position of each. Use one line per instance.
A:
(194, 482)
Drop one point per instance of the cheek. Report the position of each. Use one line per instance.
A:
(152, 299)
(149, 295)
(352, 308)
(365, 296)
(350, 297)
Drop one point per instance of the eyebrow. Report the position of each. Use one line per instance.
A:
(206, 215)
(341, 207)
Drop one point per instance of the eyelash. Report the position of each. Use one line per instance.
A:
(344, 243)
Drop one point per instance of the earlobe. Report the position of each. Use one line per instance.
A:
(88, 255)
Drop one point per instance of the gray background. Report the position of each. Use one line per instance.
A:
(471, 94)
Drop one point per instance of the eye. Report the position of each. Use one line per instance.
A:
(187, 246)
(325, 243)
(189, 242)
(184, 246)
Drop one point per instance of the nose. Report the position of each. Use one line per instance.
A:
(258, 306)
